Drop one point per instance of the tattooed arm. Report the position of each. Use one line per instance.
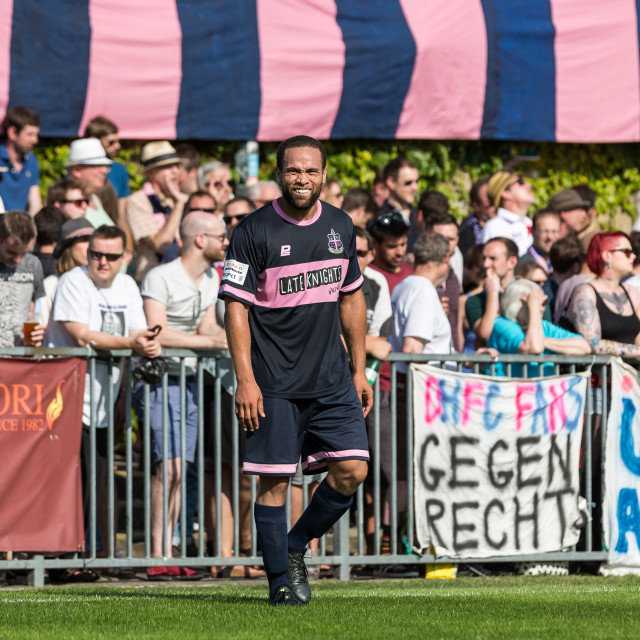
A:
(585, 318)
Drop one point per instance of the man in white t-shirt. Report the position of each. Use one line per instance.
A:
(512, 195)
(420, 323)
(420, 326)
(99, 307)
(180, 296)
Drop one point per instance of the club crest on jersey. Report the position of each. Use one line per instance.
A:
(335, 244)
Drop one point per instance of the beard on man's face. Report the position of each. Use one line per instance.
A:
(298, 201)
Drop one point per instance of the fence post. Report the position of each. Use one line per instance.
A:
(341, 545)
(36, 575)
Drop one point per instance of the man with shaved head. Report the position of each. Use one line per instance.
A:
(180, 296)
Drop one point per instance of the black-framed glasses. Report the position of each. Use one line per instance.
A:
(202, 210)
(627, 252)
(230, 219)
(98, 255)
(77, 202)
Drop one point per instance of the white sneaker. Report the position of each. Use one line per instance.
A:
(542, 568)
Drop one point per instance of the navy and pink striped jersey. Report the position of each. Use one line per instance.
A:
(292, 274)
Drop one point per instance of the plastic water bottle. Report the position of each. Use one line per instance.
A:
(371, 369)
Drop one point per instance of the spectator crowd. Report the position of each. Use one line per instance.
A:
(97, 265)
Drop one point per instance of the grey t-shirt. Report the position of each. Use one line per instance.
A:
(19, 285)
(185, 304)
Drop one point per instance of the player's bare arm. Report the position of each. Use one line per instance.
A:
(353, 321)
(248, 395)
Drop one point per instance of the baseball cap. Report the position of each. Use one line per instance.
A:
(71, 231)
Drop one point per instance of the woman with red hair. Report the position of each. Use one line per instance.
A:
(603, 310)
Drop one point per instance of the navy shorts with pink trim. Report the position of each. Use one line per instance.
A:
(321, 429)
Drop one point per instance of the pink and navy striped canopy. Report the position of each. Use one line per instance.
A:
(565, 70)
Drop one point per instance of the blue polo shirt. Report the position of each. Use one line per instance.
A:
(507, 336)
(15, 186)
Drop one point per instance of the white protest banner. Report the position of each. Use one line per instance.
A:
(496, 462)
(622, 469)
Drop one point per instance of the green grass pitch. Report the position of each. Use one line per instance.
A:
(503, 607)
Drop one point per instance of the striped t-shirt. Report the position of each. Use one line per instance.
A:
(292, 274)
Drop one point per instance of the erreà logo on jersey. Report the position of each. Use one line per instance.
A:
(335, 244)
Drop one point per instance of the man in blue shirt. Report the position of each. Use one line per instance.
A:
(19, 171)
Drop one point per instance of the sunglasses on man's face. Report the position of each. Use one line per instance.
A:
(363, 253)
(230, 219)
(98, 255)
(79, 202)
(218, 184)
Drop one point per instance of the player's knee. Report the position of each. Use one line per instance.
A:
(359, 472)
(348, 475)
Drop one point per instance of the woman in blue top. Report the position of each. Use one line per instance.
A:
(521, 329)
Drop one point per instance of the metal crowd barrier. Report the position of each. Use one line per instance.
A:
(343, 548)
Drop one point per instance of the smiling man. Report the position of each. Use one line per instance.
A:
(291, 281)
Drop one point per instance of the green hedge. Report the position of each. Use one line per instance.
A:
(450, 167)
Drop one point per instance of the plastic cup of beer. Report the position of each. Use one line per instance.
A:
(27, 329)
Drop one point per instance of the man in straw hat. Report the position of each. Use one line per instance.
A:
(511, 194)
(154, 213)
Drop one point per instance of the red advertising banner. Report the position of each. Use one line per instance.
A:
(40, 436)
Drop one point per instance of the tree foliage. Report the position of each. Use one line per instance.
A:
(450, 167)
